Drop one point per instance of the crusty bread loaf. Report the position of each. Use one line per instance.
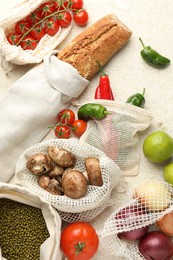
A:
(98, 42)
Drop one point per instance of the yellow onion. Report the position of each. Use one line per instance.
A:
(153, 195)
(165, 224)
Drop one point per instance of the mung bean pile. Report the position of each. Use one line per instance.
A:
(22, 230)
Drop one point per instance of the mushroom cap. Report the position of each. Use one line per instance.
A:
(39, 163)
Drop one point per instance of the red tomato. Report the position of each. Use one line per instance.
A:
(79, 127)
(62, 131)
(60, 5)
(66, 116)
(79, 241)
(46, 9)
(65, 19)
(51, 27)
(22, 26)
(34, 17)
(13, 38)
(81, 17)
(28, 43)
(77, 4)
(37, 32)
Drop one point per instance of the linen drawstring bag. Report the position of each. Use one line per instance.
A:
(15, 54)
(117, 134)
(148, 201)
(96, 199)
(50, 249)
(31, 104)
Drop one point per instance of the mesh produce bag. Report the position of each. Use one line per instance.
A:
(50, 249)
(116, 135)
(146, 203)
(16, 54)
(96, 198)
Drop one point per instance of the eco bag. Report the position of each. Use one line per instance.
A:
(117, 134)
(15, 54)
(50, 249)
(146, 203)
(96, 199)
(31, 105)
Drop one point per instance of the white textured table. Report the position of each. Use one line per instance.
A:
(150, 20)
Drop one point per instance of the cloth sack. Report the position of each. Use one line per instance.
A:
(117, 134)
(31, 105)
(16, 54)
(96, 199)
(50, 249)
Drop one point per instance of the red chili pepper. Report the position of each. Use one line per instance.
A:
(103, 91)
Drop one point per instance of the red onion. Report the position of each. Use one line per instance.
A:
(133, 216)
(133, 234)
(156, 246)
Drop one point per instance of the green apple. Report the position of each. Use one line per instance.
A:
(158, 147)
(168, 173)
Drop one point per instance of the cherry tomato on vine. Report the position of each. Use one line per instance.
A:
(65, 19)
(66, 116)
(22, 26)
(81, 17)
(76, 4)
(37, 32)
(13, 38)
(34, 17)
(46, 9)
(60, 5)
(51, 26)
(28, 43)
(62, 131)
(79, 127)
(79, 241)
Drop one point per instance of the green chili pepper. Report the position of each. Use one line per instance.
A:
(92, 110)
(137, 99)
(152, 57)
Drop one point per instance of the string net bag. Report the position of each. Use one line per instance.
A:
(96, 198)
(117, 134)
(50, 248)
(15, 54)
(146, 203)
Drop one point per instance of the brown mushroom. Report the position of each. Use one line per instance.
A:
(50, 185)
(56, 171)
(39, 163)
(92, 165)
(44, 181)
(61, 156)
(74, 184)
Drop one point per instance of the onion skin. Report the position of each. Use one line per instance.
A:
(165, 224)
(155, 245)
(133, 234)
(153, 195)
(133, 216)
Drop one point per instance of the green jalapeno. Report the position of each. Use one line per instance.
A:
(152, 57)
(137, 99)
(92, 110)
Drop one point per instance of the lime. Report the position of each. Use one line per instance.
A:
(168, 173)
(158, 146)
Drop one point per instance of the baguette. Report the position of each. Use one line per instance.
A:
(98, 42)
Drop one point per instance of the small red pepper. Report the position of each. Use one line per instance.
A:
(103, 91)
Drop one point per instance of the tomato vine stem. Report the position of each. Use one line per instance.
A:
(58, 12)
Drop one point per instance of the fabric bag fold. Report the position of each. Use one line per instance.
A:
(31, 105)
